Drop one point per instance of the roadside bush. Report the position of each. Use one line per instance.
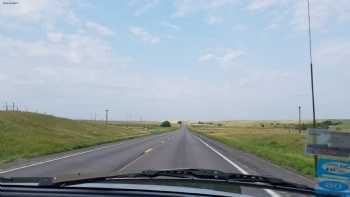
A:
(165, 124)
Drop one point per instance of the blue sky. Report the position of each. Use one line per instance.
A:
(179, 59)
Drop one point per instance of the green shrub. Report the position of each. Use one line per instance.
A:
(165, 124)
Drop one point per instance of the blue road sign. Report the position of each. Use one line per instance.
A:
(333, 168)
(334, 187)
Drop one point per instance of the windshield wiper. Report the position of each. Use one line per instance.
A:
(212, 175)
(26, 181)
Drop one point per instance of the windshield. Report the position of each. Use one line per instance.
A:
(99, 88)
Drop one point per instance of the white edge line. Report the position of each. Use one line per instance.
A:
(131, 163)
(58, 158)
(270, 192)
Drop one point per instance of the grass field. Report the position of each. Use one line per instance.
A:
(272, 140)
(345, 125)
(24, 135)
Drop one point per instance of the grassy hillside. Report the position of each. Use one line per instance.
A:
(25, 134)
(277, 141)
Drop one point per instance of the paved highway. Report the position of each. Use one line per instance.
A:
(178, 149)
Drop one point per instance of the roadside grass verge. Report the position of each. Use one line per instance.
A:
(24, 135)
(284, 147)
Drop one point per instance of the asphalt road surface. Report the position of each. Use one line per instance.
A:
(178, 149)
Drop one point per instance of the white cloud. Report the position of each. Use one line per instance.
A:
(24, 8)
(334, 54)
(230, 55)
(212, 20)
(36, 11)
(323, 13)
(222, 57)
(143, 35)
(256, 5)
(170, 25)
(187, 7)
(69, 49)
(100, 29)
(142, 6)
(206, 57)
(54, 36)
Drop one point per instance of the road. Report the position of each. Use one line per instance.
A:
(178, 149)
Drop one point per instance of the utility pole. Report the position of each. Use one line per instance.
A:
(106, 116)
(13, 106)
(6, 106)
(95, 117)
(312, 79)
(299, 118)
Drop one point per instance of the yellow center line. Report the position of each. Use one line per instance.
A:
(148, 150)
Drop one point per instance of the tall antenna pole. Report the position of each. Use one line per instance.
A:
(311, 68)
(312, 80)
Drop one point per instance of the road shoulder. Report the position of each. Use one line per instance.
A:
(257, 165)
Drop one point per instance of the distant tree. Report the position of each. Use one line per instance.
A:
(179, 122)
(165, 124)
(325, 124)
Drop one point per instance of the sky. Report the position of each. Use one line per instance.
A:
(175, 59)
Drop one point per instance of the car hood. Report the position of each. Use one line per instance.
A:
(158, 188)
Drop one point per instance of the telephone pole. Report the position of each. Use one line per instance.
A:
(106, 116)
(13, 106)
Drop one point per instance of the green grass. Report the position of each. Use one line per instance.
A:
(24, 135)
(276, 141)
(345, 125)
(282, 146)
